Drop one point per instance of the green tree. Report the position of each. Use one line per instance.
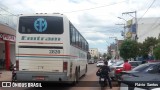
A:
(100, 55)
(129, 49)
(147, 46)
(156, 52)
(95, 57)
(104, 55)
(109, 56)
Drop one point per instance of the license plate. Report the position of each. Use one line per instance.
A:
(39, 78)
(102, 79)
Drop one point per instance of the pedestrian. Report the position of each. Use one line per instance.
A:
(127, 66)
(104, 70)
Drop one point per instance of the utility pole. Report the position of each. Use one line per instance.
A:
(136, 22)
(124, 32)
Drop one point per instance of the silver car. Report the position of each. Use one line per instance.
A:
(91, 61)
(118, 64)
(100, 63)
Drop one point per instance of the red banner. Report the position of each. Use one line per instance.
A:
(7, 37)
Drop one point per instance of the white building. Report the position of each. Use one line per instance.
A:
(94, 52)
(147, 27)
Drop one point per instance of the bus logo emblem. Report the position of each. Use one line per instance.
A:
(40, 25)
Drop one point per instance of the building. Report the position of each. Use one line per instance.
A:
(94, 52)
(7, 39)
(112, 50)
(146, 27)
(118, 45)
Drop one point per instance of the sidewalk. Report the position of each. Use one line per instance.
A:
(5, 75)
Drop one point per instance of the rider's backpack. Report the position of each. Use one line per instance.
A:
(105, 70)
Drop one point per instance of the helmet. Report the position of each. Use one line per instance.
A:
(106, 63)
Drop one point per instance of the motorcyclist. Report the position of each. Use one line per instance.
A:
(104, 70)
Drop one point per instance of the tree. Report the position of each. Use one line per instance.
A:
(109, 56)
(100, 55)
(148, 46)
(129, 49)
(95, 57)
(104, 55)
(156, 52)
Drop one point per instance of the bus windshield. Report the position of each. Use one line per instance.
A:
(40, 25)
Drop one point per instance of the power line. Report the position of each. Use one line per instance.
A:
(7, 11)
(95, 7)
(151, 27)
(146, 10)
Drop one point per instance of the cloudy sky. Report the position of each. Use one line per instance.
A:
(95, 19)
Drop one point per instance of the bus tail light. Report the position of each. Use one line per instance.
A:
(65, 64)
(17, 65)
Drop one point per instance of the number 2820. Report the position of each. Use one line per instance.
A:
(54, 51)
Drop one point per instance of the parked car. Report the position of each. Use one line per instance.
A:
(115, 66)
(141, 70)
(133, 65)
(111, 62)
(100, 63)
(125, 86)
(91, 61)
(145, 73)
(142, 81)
(118, 67)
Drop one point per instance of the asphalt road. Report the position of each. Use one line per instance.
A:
(87, 82)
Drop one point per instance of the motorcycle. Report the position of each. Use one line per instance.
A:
(102, 82)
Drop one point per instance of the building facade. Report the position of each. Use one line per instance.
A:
(94, 52)
(145, 27)
(7, 46)
(7, 39)
(112, 50)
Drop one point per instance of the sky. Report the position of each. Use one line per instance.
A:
(96, 20)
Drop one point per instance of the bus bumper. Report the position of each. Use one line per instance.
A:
(40, 76)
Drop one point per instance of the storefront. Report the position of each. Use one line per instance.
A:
(7, 50)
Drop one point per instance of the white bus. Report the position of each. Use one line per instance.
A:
(49, 48)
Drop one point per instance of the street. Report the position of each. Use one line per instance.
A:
(87, 82)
